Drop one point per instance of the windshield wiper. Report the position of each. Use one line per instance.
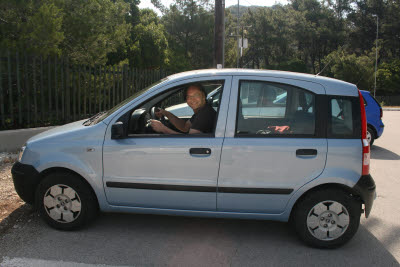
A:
(93, 118)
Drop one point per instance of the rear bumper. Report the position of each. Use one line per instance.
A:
(366, 188)
(25, 178)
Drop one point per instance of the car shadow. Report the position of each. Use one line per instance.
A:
(152, 240)
(20, 214)
(378, 152)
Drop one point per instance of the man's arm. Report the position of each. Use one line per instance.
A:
(161, 128)
(194, 131)
(180, 124)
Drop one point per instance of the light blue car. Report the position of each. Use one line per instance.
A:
(287, 160)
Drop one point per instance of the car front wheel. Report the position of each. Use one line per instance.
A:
(65, 202)
(327, 218)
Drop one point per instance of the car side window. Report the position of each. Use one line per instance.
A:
(172, 100)
(273, 109)
(341, 117)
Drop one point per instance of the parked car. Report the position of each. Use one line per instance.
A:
(374, 113)
(303, 164)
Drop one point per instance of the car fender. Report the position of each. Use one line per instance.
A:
(75, 164)
(320, 181)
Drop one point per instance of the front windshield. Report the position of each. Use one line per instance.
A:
(109, 112)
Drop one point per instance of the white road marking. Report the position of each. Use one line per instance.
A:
(27, 262)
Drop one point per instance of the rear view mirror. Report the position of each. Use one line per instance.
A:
(117, 130)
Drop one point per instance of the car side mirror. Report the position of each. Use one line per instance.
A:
(117, 130)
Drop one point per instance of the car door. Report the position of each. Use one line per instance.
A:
(166, 171)
(271, 152)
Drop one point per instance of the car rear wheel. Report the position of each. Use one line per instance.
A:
(370, 136)
(327, 218)
(65, 202)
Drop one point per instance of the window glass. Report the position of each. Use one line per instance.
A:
(342, 117)
(172, 100)
(176, 103)
(274, 109)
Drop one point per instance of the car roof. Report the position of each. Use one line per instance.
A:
(332, 86)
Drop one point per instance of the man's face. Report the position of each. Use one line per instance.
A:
(195, 98)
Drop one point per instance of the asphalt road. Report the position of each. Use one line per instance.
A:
(148, 240)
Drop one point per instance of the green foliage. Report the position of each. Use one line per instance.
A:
(31, 26)
(303, 36)
(190, 29)
(388, 78)
(42, 32)
(93, 28)
(351, 68)
(149, 49)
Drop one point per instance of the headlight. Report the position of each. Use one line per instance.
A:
(21, 152)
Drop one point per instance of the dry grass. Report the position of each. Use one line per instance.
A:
(9, 200)
(12, 207)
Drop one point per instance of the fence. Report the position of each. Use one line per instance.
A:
(37, 91)
(389, 100)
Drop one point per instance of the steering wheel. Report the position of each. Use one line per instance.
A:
(153, 115)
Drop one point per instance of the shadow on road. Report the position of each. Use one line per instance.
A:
(151, 240)
(378, 152)
(19, 214)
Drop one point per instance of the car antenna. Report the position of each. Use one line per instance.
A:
(344, 46)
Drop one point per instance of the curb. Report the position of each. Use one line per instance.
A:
(13, 140)
(391, 109)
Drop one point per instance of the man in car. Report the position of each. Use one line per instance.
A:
(202, 120)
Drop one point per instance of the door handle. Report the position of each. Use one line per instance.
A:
(306, 152)
(200, 151)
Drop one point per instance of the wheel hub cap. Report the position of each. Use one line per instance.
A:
(328, 220)
(62, 203)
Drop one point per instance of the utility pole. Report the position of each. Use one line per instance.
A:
(241, 42)
(219, 34)
(376, 49)
(238, 36)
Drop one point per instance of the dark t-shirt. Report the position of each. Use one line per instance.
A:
(204, 119)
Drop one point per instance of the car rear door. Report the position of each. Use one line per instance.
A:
(269, 154)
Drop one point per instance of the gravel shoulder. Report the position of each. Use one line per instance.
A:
(12, 207)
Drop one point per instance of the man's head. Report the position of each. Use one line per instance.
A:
(195, 96)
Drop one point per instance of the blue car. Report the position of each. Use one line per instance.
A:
(374, 116)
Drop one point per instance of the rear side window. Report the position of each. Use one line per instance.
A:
(268, 109)
(344, 121)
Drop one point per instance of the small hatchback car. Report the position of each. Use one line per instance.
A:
(279, 150)
(374, 113)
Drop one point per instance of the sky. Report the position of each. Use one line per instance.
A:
(228, 3)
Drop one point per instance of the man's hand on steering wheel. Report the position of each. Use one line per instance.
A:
(157, 113)
(160, 113)
(157, 126)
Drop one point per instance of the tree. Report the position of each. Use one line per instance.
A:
(93, 28)
(388, 78)
(351, 68)
(34, 27)
(190, 28)
(149, 49)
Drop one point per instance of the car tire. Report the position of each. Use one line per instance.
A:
(65, 201)
(370, 136)
(327, 218)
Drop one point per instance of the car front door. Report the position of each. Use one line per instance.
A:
(273, 145)
(166, 171)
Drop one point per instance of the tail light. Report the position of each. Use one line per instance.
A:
(365, 143)
(381, 112)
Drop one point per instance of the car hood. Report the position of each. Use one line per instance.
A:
(58, 131)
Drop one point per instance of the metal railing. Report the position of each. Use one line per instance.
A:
(37, 91)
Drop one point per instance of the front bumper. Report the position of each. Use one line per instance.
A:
(366, 188)
(25, 178)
